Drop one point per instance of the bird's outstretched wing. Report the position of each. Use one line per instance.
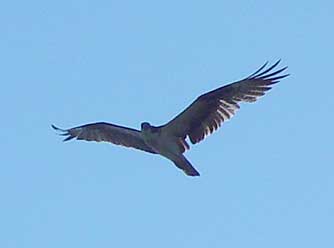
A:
(107, 132)
(210, 110)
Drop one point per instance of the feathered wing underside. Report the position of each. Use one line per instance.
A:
(210, 110)
(107, 132)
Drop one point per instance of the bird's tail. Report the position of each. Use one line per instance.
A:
(182, 163)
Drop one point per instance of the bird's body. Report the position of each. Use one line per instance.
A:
(171, 147)
(201, 118)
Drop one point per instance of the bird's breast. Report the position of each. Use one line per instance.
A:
(161, 143)
(151, 139)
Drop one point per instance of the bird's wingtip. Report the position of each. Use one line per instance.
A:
(57, 128)
(60, 130)
(63, 132)
(54, 127)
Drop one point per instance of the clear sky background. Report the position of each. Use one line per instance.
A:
(266, 175)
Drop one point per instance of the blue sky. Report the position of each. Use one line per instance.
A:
(266, 175)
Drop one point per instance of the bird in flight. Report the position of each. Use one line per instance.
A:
(201, 118)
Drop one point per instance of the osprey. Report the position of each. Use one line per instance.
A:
(201, 118)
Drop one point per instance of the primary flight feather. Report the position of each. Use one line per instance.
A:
(201, 118)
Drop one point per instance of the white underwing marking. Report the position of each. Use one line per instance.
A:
(222, 114)
(250, 95)
(218, 124)
(229, 105)
(229, 112)
(207, 130)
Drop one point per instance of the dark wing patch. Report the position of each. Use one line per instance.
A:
(210, 110)
(107, 132)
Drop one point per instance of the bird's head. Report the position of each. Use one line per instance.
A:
(145, 126)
